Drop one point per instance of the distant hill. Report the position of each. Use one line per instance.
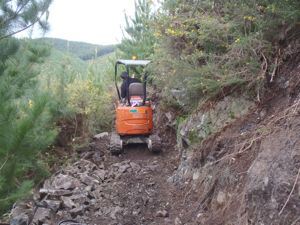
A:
(84, 51)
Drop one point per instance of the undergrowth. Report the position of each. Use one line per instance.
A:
(208, 48)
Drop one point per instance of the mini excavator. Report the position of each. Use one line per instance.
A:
(134, 114)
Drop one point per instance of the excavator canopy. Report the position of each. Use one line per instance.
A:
(127, 62)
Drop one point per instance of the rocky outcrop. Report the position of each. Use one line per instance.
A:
(197, 126)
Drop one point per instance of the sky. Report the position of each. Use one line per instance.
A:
(92, 21)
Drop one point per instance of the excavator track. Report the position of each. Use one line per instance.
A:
(116, 144)
(154, 143)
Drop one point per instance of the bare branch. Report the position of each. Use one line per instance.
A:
(286, 202)
(4, 163)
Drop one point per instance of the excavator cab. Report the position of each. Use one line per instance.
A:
(134, 114)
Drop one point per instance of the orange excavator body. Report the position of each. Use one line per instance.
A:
(134, 120)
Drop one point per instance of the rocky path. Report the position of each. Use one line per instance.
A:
(103, 189)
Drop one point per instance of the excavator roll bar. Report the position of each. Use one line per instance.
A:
(128, 64)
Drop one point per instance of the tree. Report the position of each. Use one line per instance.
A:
(24, 120)
(19, 15)
(138, 38)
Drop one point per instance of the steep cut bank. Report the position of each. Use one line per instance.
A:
(248, 172)
(245, 171)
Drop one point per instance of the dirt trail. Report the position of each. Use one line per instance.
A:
(103, 189)
(139, 192)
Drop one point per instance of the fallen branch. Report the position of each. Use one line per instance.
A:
(296, 106)
(286, 202)
(274, 70)
(264, 69)
(258, 95)
(187, 193)
(241, 150)
(294, 223)
(286, 113)
(264, 66)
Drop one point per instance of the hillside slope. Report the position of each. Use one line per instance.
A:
(247, 173)
(83, 50)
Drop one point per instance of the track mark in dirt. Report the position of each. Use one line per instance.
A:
(143, 192)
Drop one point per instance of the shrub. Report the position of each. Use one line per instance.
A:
(212, 48)
(91, 101)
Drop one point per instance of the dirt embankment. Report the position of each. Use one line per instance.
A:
(247, 173)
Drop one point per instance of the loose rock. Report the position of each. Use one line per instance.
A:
(177, 221)
(68, 202)
(221, 197)
(101, 135)
(41, 215)
(52, 204)
(86, 179)
(21, 219)
(78, 211)
(162, 213)
(101, 174)
(114, 211)
(65, 182)
(55, 192)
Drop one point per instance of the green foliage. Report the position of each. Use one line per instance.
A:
(139, 39)
(39, 86)
(79, 89)
(209, 48)
(193, 136)
(19, 15)
(24, 115)
(57, 72)
(8, 200)
(92, 101)
(24, 123)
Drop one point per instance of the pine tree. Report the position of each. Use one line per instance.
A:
(138, 38)
(24, 120)
(19, 15)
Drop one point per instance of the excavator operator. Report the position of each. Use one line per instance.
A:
(127, 80)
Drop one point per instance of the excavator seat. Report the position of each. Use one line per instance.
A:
(136, 94)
